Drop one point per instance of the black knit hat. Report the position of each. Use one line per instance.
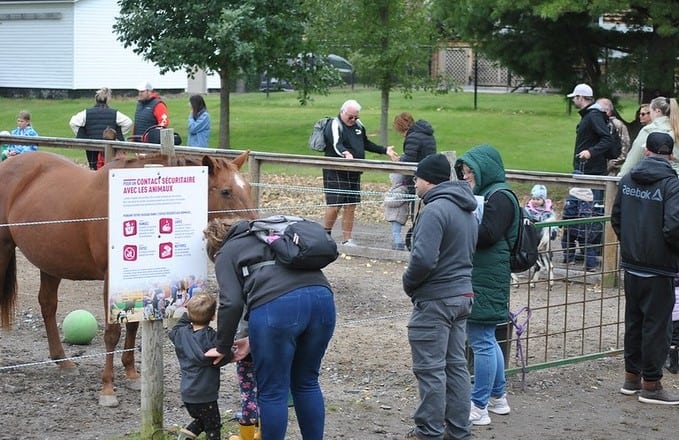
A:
(660, 143)
(434, 169)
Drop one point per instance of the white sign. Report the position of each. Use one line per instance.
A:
(156, 255)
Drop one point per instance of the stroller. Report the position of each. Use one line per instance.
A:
(152, 136)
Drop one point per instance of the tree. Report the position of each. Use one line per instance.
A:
(561, 42)
(229, 37)
(388, 40)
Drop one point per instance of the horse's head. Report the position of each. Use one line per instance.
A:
(229, 194)
(228, 191)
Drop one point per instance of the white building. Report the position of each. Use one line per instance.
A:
(56, 48)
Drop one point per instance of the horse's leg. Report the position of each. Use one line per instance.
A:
(107, 397)
(133, 376)
(48, 299)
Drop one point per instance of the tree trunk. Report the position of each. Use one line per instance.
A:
(384, 117)
(224, 110)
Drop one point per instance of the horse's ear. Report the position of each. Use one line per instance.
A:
(210, 164)
(240, 160)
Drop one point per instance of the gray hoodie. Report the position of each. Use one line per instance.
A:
(444, 240)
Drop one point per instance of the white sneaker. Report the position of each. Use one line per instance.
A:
(499, 405)
(479, 416)
(349, 242)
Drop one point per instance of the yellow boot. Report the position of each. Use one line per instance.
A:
(247, 432)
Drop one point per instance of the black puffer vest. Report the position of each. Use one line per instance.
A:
(97, 119)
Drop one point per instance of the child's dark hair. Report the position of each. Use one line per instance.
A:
(201, 308)
(109, 134)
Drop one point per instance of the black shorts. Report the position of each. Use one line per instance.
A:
(342, 187)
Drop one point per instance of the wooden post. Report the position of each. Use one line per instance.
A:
(167, 144)
(152, 393)
(254, 168)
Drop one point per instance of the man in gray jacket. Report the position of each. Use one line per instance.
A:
(439, 282)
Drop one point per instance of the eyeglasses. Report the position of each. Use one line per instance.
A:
(352, 117)
(644, 113)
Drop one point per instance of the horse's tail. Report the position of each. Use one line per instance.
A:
(8, 295)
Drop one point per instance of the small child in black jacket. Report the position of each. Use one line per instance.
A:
(192, 337)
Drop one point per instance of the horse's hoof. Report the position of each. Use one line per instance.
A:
(108, 400)
(70, 371)
(133, 384)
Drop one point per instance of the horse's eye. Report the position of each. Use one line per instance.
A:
(227, 193)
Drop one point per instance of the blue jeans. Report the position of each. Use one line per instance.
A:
(288, 338)
(396, 232)
(436, 333)
(489, 363)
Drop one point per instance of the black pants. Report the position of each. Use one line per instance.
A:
(648, 324)
(205, 418)
(92, 158)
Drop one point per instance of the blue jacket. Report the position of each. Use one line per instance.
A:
(26, 131)
(199, 129)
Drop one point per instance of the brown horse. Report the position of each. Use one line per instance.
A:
(56, 212)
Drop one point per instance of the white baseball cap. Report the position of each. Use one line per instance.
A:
(581, 90)
(144, 86)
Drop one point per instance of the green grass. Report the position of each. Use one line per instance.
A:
(532, 131)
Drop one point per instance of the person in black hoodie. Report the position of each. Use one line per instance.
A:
(645, 217)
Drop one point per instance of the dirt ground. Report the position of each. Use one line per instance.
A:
(370, 391)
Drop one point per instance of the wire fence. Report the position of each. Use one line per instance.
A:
(574, 315)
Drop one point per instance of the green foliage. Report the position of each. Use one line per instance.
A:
(560, 42)
(227, 37)
(389, 41)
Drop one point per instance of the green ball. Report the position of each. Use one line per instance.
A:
(80, 327)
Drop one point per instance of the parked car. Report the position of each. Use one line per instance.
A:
(342, 65)
(274, 84)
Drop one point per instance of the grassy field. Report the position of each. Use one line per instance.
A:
(532, 131)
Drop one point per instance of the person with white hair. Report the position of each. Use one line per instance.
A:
(346, 138)
(92, 122)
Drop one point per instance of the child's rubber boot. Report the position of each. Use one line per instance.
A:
(247, 432)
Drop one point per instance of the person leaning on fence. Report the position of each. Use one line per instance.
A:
(291, 319)
(482, 168)
(192, 336)
(397, 208)
(23, 128)
(438, 280)
(645, 218)
(346, 137)
(91, 123)
(539, 208)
